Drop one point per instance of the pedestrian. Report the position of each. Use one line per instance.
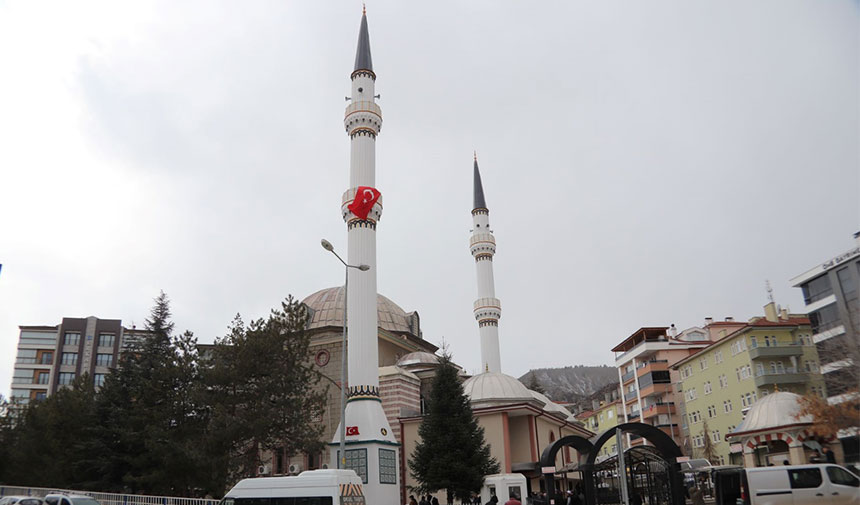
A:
(434, 501)
(412, 500)
(514, 500)
(785, 462)
(494, 500)
(636, 500)
(696, 495)
(829, 457)
(424, 500)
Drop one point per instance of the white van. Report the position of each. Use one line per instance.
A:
(788, 485)
(312, 487)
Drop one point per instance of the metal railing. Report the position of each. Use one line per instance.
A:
(109, 498)
(786, 370)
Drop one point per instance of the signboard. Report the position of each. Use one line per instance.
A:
(681, 459)
(736, 448)
(351, 494)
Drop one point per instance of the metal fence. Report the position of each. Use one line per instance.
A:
(108, 498)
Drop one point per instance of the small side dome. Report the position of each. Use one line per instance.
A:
(491, 389)
(418, 358)
(550, 406)
(773, 411)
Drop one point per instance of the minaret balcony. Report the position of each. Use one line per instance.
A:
(363, 115)
(482, 243)
(488, 308)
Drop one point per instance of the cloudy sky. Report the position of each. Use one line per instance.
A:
(644, 163)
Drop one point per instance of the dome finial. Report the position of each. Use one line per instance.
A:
(363, 9)
(476, 155)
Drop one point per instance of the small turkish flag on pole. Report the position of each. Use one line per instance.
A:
(365, 197)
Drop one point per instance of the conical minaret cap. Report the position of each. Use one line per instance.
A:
(480, 203)
(363, 61)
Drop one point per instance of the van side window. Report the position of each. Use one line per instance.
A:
(52, 500)
(804, 478)
(298, 500)
(842, 477)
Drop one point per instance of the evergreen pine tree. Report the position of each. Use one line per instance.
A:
(452, 454)
(533, 384)
(707, 451)
(262, 391)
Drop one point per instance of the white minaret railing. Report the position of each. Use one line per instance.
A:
(487, 308)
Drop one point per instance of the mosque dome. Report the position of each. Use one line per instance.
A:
(418, 358)
(492, 388)
(326, 309)
(773, 411)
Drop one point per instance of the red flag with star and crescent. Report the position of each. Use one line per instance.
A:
(365, 197)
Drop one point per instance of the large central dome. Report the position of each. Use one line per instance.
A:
(326, 310)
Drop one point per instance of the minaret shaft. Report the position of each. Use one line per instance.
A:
(487, 307)
(369, 444)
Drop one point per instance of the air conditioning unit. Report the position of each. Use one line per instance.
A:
(264, 470)
(295, 469)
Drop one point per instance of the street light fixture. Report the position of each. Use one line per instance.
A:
(364, 268)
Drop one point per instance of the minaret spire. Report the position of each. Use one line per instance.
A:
(488, 309)
(479, 202)
(363, 61)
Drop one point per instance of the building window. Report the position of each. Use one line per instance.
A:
(724, 381)
(695, 417)
(70, 358)
(47, 358)
(99, 380)
(715, 436)
(43, 378)
(816, 289)
(727, 406)
(40, 395)
(703, 363)
(691, 394)
(753, 342)
(825, 318)
(104, 359)
(387, 466)
(71, 338)
(22, 376)
(712, 411)
(708, 388)
(106, 339)
(66, 378)
(718, 356)
(356, 460)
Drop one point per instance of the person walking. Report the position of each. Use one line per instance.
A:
(412, 500)
(829, 457)
(514, 500)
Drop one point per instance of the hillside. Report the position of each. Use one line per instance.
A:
(572, 383)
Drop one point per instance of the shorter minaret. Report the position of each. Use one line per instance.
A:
(487, 307)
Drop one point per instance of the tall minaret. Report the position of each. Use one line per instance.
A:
(488, 309)
(371, 449)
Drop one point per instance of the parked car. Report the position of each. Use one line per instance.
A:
(69, 499)
(21, 500)
(787, 485)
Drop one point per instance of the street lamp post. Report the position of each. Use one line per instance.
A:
(330, 248)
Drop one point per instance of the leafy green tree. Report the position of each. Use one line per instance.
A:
(49, 435)
(452, 454)
(262, 393)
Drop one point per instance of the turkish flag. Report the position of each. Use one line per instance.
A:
(365, 197)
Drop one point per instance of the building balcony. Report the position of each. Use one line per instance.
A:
(659, 365)
(789, 376)
(777, 351)
(670, 429)
(655, 389)
(628, 377)
(632, 416)
(658, 408)
(629, 397)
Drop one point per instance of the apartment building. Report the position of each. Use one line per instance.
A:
(602, 417)
(51, 357)
(830, 292)
(744, 362)
(644, 361)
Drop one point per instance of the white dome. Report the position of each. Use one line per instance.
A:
(418, 358)
(773, 411)
(550, 406)
(326, 306)
(491, 388)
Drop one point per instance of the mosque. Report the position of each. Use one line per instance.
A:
(518, 423)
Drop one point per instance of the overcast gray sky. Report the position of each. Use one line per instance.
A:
(645, 163)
